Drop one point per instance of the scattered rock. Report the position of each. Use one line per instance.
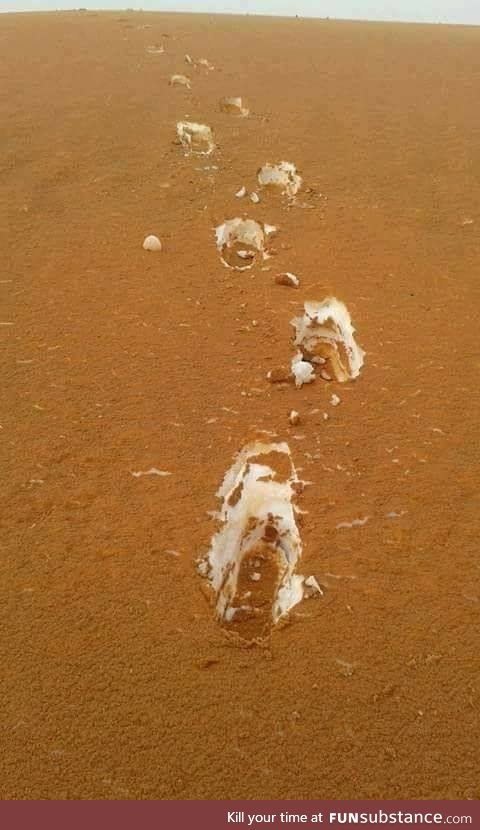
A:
(287, 279)
(152, 243)
(278, 376)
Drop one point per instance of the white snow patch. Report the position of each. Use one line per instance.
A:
(206, 63)
(248, 234)
(325, 331)
(313, 586)
(282, 175)
(302, 370)
(195, 138)
(353, 523)
(153, 471)
(200, 62)
(257, 507)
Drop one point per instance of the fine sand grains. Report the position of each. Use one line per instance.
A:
(118, 682)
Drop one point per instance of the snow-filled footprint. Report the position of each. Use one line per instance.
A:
(251, 564)
(234, 106)
(324, 336)
(195, 138)
(241, 241)
(180, 80)
(282, 177)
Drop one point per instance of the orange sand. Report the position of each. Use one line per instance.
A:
(116, 680)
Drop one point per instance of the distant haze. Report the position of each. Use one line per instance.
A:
(429, 11)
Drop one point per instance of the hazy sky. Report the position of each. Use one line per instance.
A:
(435, 11)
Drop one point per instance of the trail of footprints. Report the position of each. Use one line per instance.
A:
(252, 561)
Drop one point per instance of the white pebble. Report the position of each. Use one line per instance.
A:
(152, 243)
(287, 278)
(334, 400)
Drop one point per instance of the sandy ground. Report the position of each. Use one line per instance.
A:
(116, 680)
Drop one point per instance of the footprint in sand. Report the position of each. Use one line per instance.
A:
(324, 336)
(282, 176)
(241, 241)
(234, 106)
(195, 138)
(251, 564)
(202, 62)
(180, 80)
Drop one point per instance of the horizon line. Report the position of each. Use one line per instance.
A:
(326, 18)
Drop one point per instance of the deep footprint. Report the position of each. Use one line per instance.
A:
(251, 564)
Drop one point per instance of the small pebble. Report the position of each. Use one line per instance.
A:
(287, 279)
(152, 243)
(278, 375)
